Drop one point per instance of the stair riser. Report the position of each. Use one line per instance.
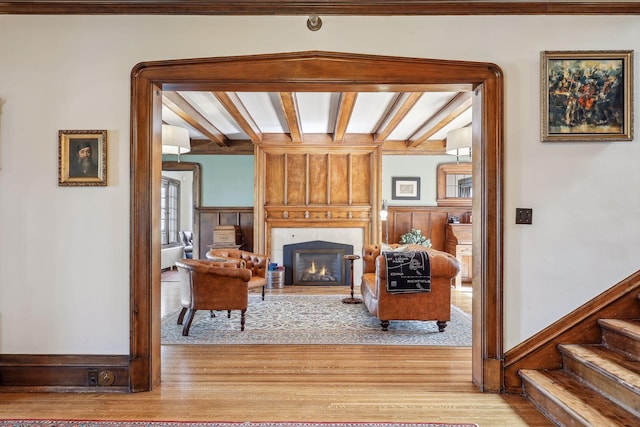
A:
(604, 384)
(621, 343)
(551, 409)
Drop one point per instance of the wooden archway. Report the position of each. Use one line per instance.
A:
(314, 71)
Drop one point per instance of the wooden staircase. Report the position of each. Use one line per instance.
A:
(597, 385)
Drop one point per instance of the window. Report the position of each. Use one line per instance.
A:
(169, 211)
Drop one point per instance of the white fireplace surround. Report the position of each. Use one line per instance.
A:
(348, 236)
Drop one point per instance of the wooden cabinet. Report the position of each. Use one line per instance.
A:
(459, 244)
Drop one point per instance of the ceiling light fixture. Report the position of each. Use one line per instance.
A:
(175, 140)
(314, 23)
(459, 142)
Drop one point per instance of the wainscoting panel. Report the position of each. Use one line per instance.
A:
(431, 220)
(208, 217)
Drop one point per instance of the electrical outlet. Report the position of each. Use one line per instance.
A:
(524, 216)
(92, 377)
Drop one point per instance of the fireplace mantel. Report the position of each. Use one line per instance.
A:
(317, 187)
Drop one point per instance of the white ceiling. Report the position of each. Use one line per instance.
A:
(419, 121)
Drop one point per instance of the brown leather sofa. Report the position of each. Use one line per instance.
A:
(386, 306)
(257, 263)
(211, 286)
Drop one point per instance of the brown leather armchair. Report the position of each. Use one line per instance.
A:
(386, 306)
(257, 263)
(211, 286)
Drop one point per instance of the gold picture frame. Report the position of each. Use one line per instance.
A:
(82, 157)
(587, 95)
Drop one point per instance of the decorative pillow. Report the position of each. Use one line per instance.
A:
(385, 248)
(413, 247)
(402, 248)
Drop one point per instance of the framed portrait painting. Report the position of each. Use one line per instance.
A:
(587, 95)
(405, 188)
(82, 157)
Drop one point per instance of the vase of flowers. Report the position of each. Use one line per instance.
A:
(415, 237)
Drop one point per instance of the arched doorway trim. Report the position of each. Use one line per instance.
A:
(319, 71)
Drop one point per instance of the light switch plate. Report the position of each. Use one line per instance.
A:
(524, 216)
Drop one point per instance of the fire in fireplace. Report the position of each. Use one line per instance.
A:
(318, 266)
(316, 263)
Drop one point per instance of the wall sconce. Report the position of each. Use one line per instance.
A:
(384, 216)
(384, 212)
(314, 23)
(459, 142)
(175, 140)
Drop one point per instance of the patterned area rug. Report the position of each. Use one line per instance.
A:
(54, 423)
(313, 319)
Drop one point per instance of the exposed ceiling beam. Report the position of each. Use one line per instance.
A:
(431, 147)
(291, 114)
(177, 104)
(401, 107)
(347, 102)
(233, 104)
(318, 139)
(205, 146)
(400, 116)
(453, 109)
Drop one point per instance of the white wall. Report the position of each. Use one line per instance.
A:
(64, 252)
(423, 167)
(226, 180)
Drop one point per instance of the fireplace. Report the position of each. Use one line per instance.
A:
(316, 263)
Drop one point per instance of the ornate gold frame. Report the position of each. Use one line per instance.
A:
(578, 94)
(68, 141)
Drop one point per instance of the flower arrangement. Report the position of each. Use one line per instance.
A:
(415, 237)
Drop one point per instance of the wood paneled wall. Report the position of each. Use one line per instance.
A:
(312, 178)
(208, 217)
(431, 220)
(316, 186)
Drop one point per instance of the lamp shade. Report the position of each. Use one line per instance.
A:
(459, 142)
(175, 140)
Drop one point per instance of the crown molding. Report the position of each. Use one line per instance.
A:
(319, 7)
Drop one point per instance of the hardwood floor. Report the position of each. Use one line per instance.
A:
(296, 383)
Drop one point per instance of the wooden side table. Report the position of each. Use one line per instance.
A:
(352, 299)
(458, 243)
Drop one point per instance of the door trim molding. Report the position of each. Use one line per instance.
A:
(322, 71)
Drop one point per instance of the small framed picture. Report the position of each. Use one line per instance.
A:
(587, 95)
(82, 157)
(405, 188)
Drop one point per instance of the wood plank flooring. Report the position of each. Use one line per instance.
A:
(296, 383)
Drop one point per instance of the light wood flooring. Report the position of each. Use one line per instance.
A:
(296, 383)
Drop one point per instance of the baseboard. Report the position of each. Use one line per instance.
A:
(64, 373)
(578, 327)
